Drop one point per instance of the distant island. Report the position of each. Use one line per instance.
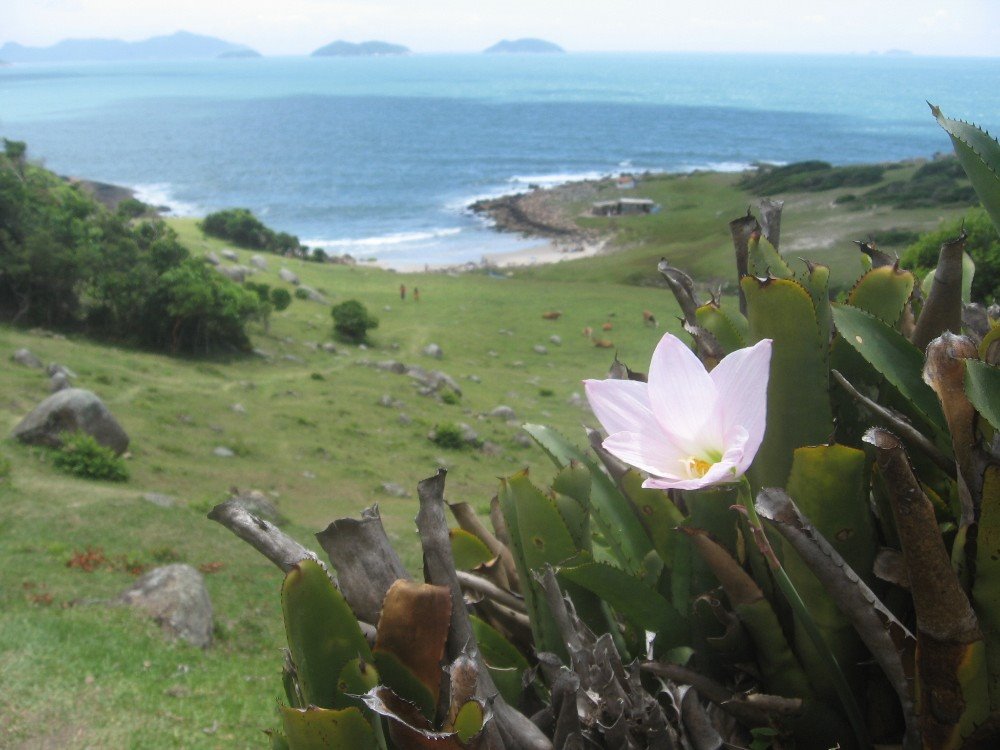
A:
(524, 46)
(340, 48)
(237, 54)
(178, 46)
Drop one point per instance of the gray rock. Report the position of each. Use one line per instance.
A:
(504, 412)
(314, 296)
(555, 339)
(391, 365)
(59, 382)
(258, 261)
(27, 359)
(257, 503)
(328, 347)
(469, 435)
(474, 378)
(308, 474)
(405, 419)
(234, 273)
(287, 276)
(386, 401)
(212, 258)
(176, 598)
(239, 408)
(158, 498)
(55, 368)
(67, 411)
(575, 399)
(522, 438)
(230, 255)
(262, 354)
(293, 358)
(394, 490)
(539, 349)
(437, 380)
(490, 448)
(433, 350)
(223, 452)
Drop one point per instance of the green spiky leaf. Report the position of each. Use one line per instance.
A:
(322, 632)
(468, 550)
(982, 386)
(979, 154)
(892, 355)
(324, 729)
(883, 292)
(505, 662)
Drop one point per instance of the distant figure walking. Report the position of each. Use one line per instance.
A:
(402, 291)
(416, 294)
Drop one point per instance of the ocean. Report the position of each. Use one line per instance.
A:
(379, 157)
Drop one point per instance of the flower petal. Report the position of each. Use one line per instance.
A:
(652, 453)
(741, 382)
(620, 405)
(681, 393)
(720, 473)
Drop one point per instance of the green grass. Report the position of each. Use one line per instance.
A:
(77, 673)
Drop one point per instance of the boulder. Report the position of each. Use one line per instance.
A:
(260, 505)
(212, 258)
(230, 255)
(59, 382)
(394, 489)
(27, 359)
(67, 411)
(539, 349)
(258, 261)
(234, 273)
(223, 452)
(313, 296)
(285, 275)
(328, 347)
(176, 598)
(504, 412)
(433, 350)
(159, 499)
(555, 339)
(55, 368)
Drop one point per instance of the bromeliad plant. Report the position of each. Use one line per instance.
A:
(790, 536)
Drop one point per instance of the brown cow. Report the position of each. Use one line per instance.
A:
(648, 318)
(607, 327)
(551, 315)
(604, 344)
(588, 332)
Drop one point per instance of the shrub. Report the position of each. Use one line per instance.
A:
(5, 469)
(450, 397)
(449, 436)
(130, 208)
(301, 293)
(280, 299)
(82, 456)
(352, 321)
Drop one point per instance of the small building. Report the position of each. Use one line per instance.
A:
(628, 206)
(625, 182)
(624, 207)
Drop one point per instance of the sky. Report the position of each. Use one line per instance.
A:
(295, 27)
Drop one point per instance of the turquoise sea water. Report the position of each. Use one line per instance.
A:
(379, 156)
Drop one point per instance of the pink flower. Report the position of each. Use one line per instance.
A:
(687, 427)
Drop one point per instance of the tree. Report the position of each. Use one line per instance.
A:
(983, 245)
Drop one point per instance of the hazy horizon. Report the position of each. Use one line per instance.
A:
(961, 28)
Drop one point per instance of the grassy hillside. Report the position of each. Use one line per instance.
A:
(313, 434)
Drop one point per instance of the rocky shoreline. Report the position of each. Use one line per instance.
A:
(549, 213)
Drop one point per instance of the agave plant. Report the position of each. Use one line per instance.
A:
(789, 537)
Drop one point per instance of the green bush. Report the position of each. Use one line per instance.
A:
(450, 397)
(280, 299)
(449, 436)
(131, 208)
(352, 321)
(82, 456)
(241, 227)
(301, 293)
(810, 176)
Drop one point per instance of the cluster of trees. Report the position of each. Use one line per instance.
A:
(982, 245)
(66, 262)
(242, 228)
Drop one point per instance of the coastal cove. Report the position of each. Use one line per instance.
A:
(379, 157)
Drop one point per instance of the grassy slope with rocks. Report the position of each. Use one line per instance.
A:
(312, 433)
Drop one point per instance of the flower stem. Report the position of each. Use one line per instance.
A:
(798, 606)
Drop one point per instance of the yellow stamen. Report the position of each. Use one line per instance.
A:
(696, 466)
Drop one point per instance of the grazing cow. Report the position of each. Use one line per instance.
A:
(588, 332)
(606, 327)
(604, 344)
(551, 315)
(648, 318)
